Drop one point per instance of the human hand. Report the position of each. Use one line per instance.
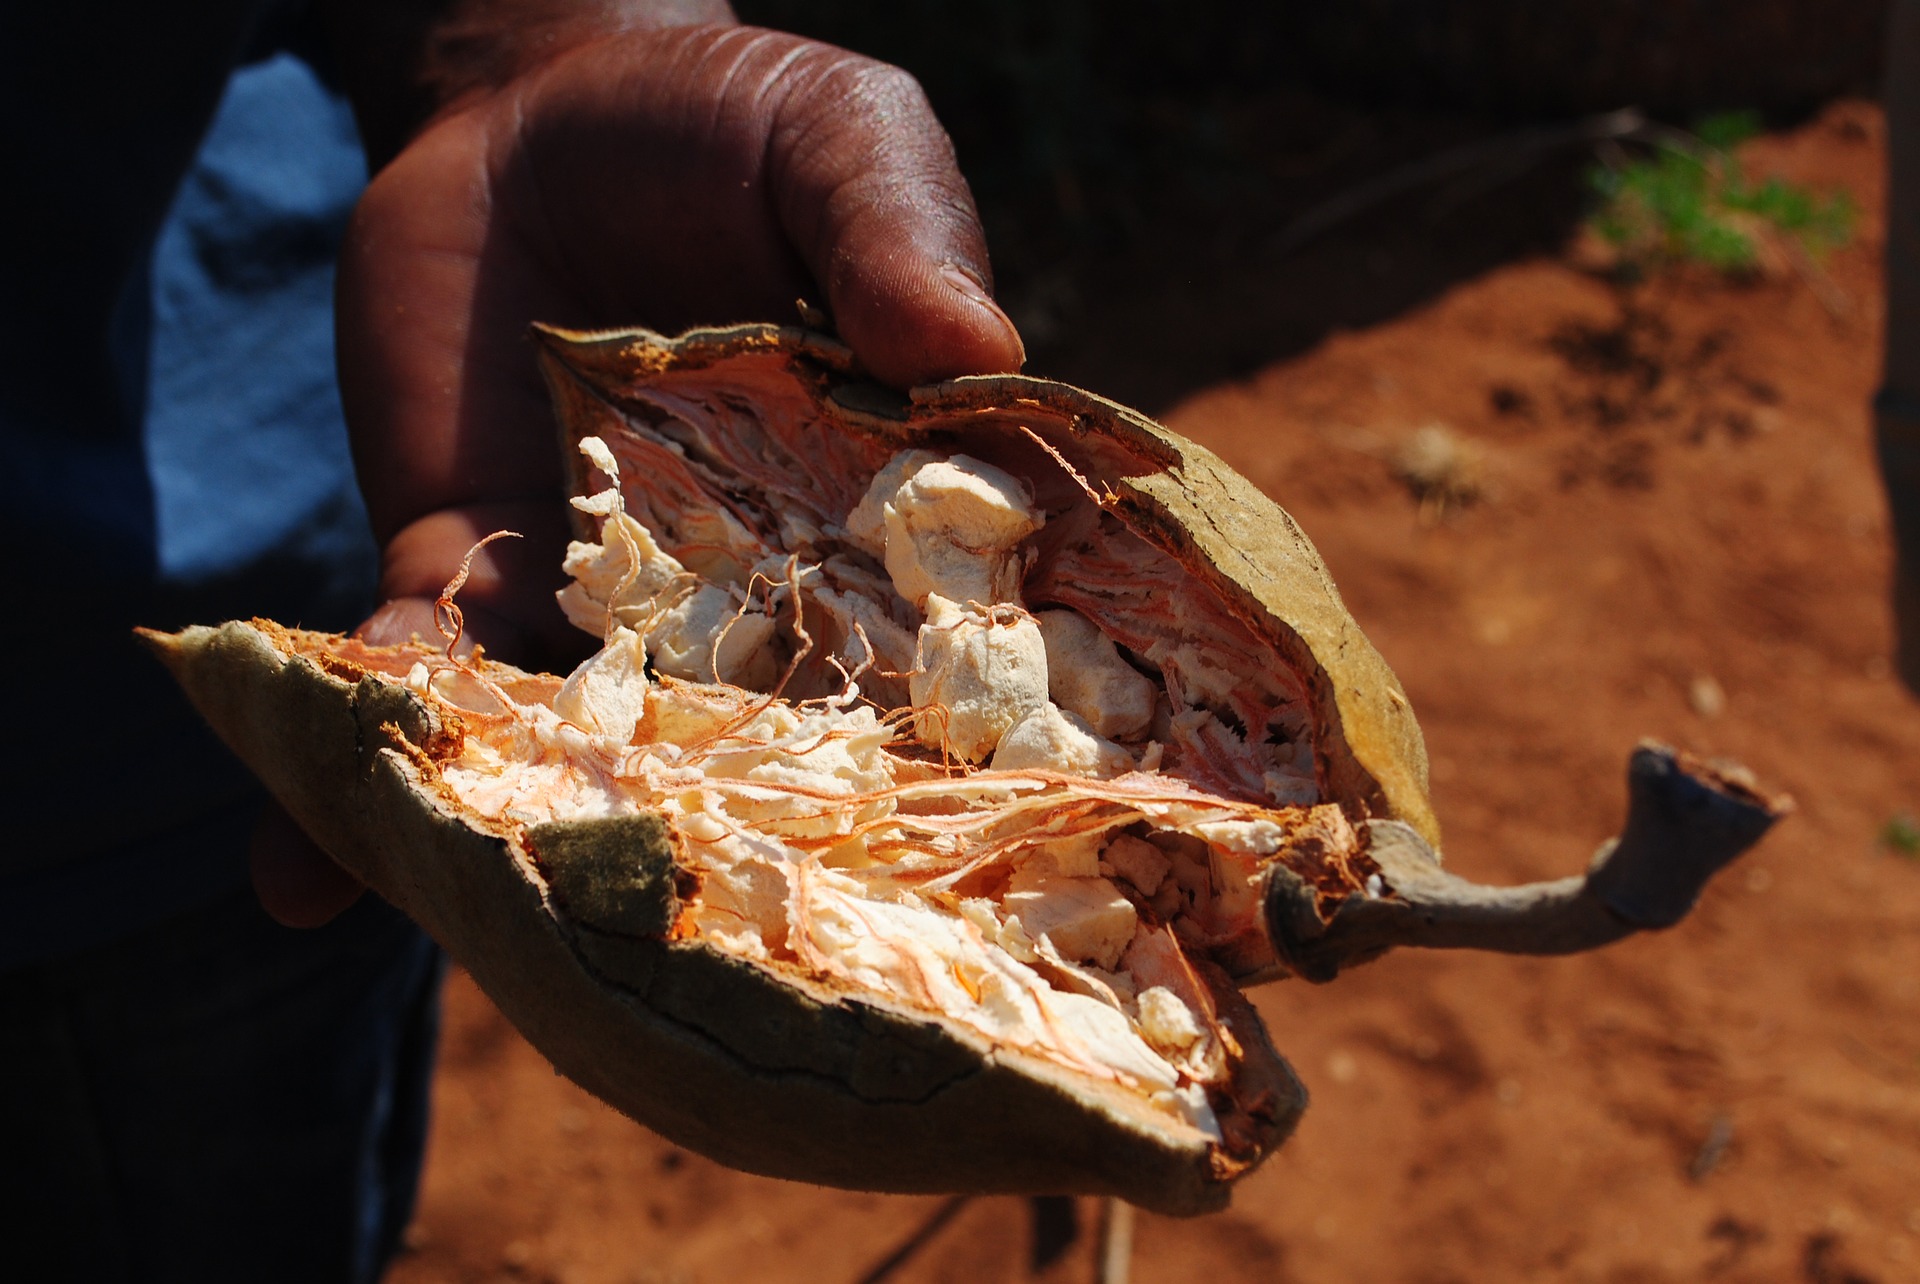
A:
(661, 177)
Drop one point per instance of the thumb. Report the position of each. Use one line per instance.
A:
(866, 185)
(297, 883)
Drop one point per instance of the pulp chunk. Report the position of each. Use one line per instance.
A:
(867, 523)
(1050, 739)
(1166, 1022)
(1086, 919)
(970, 503)
(950, 527)
(1138, 861)
(987, 672)
(606, 695)
(707, 637)
(629, 577)
(627, 569)
(1085, 675)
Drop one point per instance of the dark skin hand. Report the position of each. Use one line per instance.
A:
(596, 166)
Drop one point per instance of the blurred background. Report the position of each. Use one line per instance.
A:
(1115, 145)
(1556, 327)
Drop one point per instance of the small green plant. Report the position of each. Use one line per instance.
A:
(1901, 835)
(1687, 201)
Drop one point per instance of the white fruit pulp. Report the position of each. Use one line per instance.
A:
(1001, 851)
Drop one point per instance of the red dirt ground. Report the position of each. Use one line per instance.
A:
(1679, 535)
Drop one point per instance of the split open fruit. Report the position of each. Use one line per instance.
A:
(949, 764)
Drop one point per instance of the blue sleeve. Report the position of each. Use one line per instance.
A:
(176, 456)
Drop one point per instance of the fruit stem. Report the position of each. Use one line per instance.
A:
(1686, 820)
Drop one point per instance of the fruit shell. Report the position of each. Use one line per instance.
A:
(568, 927)
(567, 931)
(1175, 494)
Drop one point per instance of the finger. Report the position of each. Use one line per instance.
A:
(415, 620)
(507, 600)
(444, 403)
(298, 884)
(868, 188)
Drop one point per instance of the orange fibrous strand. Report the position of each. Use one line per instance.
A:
(1104, 497)
(696, 752)
(849, 678)
(447, 616)
(451, 623)
(756, 580)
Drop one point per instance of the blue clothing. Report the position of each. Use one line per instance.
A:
(171, 436)
(194, 1092)
(217, 1099)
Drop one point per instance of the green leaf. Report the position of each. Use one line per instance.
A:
(1684, 204)
(1901, 835)
(1726, 130)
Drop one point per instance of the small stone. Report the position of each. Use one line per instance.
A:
(1706, 697)
(1443, 470)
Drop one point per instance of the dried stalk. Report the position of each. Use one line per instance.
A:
(1686, 820)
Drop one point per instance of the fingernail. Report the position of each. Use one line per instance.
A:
(966, 283)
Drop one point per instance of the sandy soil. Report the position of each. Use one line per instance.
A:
(1676, 533)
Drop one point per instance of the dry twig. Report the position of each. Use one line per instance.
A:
(1686, 820)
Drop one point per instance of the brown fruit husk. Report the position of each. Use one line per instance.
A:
(570, 927)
